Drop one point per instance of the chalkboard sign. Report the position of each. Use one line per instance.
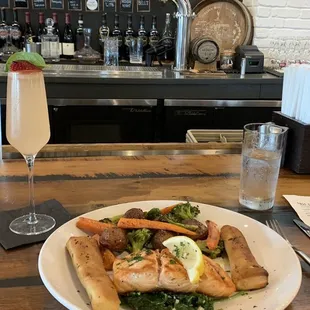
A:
(91, 5)
(126, 6)
(39, 4)
(143, 6)
(75, 5)
(5, 4)
(21, 4)
(57, 4)
(109, 5)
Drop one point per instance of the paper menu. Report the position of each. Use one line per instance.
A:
(301, 204)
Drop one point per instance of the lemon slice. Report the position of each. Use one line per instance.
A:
(188, 253)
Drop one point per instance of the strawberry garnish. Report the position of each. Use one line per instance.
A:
(22, 65)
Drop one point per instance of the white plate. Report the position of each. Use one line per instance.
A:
(270, 250)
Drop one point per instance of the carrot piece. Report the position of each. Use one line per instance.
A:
(108, 259)
(167, 209)
(128, 223)
(213, 235)
(92, 226)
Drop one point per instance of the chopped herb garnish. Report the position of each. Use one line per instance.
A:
(177, 251)
(172, 262)
(136, 258)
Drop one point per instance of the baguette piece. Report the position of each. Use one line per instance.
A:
(246, 273)
(88, 264)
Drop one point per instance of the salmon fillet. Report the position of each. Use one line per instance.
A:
(136, 272)
(153, 271)
(215, 281)
(173, 276)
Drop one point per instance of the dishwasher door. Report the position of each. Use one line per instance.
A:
(182, 115)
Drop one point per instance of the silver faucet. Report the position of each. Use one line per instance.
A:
(184, 16)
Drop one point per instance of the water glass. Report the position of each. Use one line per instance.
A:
(110, 51)
(262, 150)
(136, 50)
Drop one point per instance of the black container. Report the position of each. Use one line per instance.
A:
(297, 157)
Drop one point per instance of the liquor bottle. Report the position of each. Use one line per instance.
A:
(29, 33)
(154, 34)
(142, 32)
(57, 31)
(50, 42)
(104, 32)
(16, 31)
(3, 28)
(41, 28)
(80, 33)
(129, 34)
(117, 33)
(68, 39)
(167, 39)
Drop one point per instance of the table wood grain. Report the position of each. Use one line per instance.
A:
(87, 183)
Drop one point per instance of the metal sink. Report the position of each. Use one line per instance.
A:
(96, 70)
(75, 70)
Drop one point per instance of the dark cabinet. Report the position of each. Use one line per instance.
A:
(103, 124)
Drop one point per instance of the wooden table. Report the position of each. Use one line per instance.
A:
(88, 183)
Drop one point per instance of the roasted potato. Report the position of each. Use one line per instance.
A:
(159, 237)
(134, 213)
(114, 239)
(246, 273)
(202, 230)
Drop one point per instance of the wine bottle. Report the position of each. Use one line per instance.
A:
(16, 31)
(80, 33)
(29, 33)
(68, 39)
(129, 34)
(3, 28)
(168, 39)
(41, 28)
(117, 33)
(154, 34)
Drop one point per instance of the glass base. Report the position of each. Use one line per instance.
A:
(21, 225)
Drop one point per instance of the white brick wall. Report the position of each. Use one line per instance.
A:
(278, 19)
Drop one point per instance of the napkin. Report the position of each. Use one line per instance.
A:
(296, 93)
(11, 240)
(301, 204)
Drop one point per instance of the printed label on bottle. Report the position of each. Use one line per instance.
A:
(3, 33)
(68, 49)
(16, 34)
(153, 41)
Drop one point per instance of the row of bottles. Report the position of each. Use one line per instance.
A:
(71, 41)
(150, 39)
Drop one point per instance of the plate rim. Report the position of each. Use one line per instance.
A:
(70, 306)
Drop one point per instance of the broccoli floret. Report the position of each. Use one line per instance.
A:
(153, 214)
(211, 253)
(184, 211)
(138, 238)
(112, 220)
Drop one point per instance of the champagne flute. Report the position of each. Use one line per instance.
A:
(28, 130)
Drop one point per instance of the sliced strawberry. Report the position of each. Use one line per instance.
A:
(22, 65)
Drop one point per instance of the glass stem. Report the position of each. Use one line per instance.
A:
(32, 215)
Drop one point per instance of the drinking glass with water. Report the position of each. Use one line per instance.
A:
(262, 150)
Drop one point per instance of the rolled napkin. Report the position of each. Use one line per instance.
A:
(296, 93)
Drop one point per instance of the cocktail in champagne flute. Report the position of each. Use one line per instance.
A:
(28, 128)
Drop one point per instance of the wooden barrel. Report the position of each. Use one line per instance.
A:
(204, 50)
(228, 22)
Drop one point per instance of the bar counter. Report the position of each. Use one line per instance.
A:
(83, 184)
(98, 82)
